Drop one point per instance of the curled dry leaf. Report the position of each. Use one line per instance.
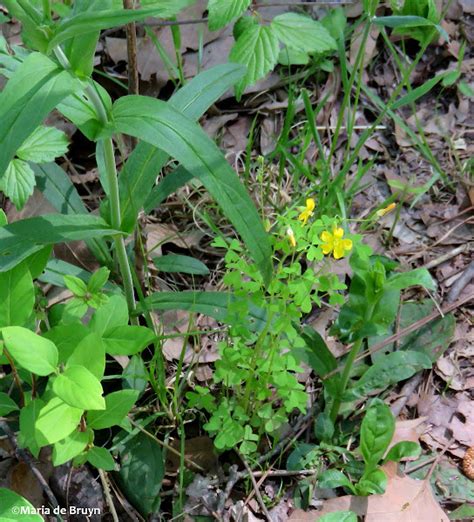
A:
(405, 499)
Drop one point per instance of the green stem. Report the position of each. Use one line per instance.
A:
(47, 9)
(112, 178)
(346, 374)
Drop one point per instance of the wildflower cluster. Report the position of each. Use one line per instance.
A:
(261, 358)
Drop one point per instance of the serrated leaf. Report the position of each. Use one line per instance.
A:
(258, 49)
(43, 145)
(302, 33)
(221, 12)
(18, 182)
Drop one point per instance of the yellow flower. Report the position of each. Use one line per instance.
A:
(386, 210)
(291, 236)
(308, 211)
(334, 242)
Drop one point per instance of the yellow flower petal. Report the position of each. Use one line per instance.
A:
(291, 236)
(386, 210)
(347, 244)
(326, 236)
(326, 248)
(338, 232)
(310, 204)
(304, 216)
(338, 250)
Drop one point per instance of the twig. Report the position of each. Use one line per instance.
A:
(461, 282)
(407, 330)
(285, 473)
(447, 256)
(23, 455)
(438, 458)
(255, 488)
(419, 465)
(167, 446)
(16, 377)
(108, 496)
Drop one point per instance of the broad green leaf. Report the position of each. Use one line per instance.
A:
(290, 56)
(43, 145)
(390, 369)
(18, 182)
(167, 186)
(333, 478)
(417, 277)
(402, 450)
(135, 375)
(76, 285)
(37, 262)
(117, 406)
(36, 87)
(141, 168)
(27, 434)
(142, 472)
(161, 125)
(178, 263)
(56, 420)
(18, 296)
(22, 238)
(257, 48)
(7, 404)
(339, 516)
(317, 355)
(213, 304)
(302, 33)
(222, 12)
(373, 483)
(113, 313)
(376, 432)
(89, 353)
(92, 21)
(324, 427)
(67, 338)
(80, 50)
(70, 447)
(101, 458)
(12, 504)
(79, 388)
(127, 340)
(32, 352)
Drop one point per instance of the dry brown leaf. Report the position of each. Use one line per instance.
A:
(405, 500)
(408, 430)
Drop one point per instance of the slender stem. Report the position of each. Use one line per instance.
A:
(346, 374)
(16, 377)
(47, 9)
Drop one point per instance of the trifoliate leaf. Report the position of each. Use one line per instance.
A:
(258, 49)
(18, 182)
(302, 33)
(44, 145)
(221, 12)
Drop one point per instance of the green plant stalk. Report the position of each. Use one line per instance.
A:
(348, 368)
(47, 9)
(112, 178)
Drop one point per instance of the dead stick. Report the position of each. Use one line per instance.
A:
(23, 455)
(255, 488)
(461, 282)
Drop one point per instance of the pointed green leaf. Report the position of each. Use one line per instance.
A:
(18, 296)
(70, 447)
(7, 404)
(257, 48)
(178, 263)
(161, 125)
(18, 182)
(101, 458)
(89, 353)
(32, 352)
(78, 387)
(302, 33)
(113, 313)
(12, 504)
(43, 145)
(56, 420)
(222, 12)
(127, 340)
(117, 406)
(27, 434)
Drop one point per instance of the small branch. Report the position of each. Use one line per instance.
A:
(108, 496)
(16, 377)
(461, 282)
(23, 455)
(255, 487)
